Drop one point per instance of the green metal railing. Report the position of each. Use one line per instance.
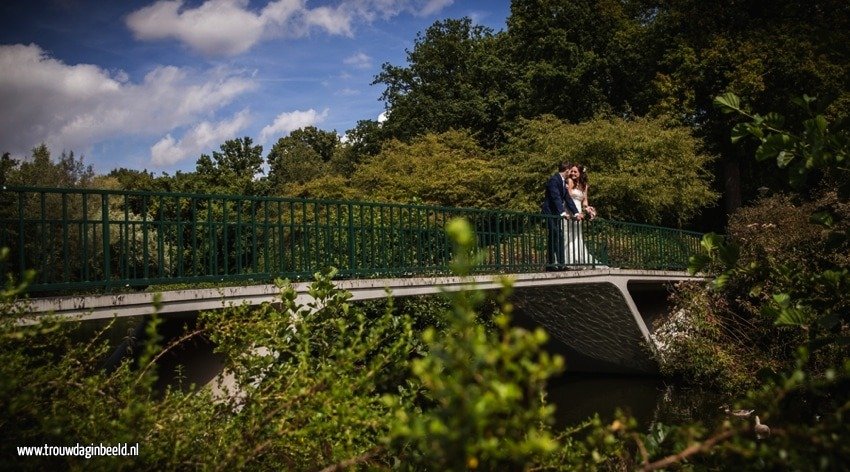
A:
(83, 239)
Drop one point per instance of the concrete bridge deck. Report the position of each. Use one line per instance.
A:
(600, 319)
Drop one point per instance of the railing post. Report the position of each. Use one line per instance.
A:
(351, 255)
(498, 219)
(180, 252)
(21, 238)
(104, 212)
(66, 263)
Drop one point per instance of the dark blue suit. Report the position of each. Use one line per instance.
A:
(553, 204)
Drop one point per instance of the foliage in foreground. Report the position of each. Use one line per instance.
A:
(783, 285)
(312, 382)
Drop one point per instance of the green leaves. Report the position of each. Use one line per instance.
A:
(485, 386)
(815, 147)
(728, 103)
(715, 249)
(815, 301)
(776, 146)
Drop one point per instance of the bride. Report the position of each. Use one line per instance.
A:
(574, 247)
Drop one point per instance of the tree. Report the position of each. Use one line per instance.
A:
(361, 142)
(300, 157)
(234, 170)
(698, 50)
(7, 164)
(41, 171)
(455, 79)
(131, 179)
(560, 51)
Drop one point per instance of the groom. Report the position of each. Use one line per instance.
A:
(553, 204)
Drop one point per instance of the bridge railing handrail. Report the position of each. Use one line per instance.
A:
(93, 239)
(94, 191)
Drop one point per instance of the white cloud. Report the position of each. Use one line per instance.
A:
(359, 60)
(433, 6)
(333, 20)
(230, 27)
(347, 92)
(201, 138)
(73, 107)
(215, 27)
(285, 123)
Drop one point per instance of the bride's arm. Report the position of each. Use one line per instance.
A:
(590, 210)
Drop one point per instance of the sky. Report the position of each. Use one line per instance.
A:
(155, 84)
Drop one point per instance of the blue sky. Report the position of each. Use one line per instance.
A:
(154, 84)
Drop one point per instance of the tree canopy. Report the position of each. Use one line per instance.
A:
(454, 80)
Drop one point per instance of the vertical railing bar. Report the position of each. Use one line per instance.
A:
(239, 251)
(417, 235)
(194, 236)
(105, 230)
(372, 236)
(21, 237)
(66, 256)
(352, 263)
(312, 233)
(292, 264)
(160, 240)
(266, 236)
(145, 240)
(212, 236)
(328, 232)
(361, 263)
(280, 221)
(42, 232)
(124, 261)
(180, 264)
(498, 241)
(392, 260)
(85, 222)
(380, 252)
(226, 235)
(305, 239)
(254, 266)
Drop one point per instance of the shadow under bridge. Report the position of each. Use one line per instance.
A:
(601, 321)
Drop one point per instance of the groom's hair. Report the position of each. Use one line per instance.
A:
(564, 166)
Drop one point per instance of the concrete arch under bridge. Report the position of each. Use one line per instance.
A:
(599, 319)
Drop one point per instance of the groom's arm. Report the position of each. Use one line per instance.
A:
(554, 191)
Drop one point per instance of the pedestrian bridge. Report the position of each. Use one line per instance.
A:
(101, 253)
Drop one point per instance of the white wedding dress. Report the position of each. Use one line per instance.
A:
(576, 253)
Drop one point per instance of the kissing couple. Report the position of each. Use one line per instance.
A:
(566, 206)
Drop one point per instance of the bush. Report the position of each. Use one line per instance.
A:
(639, 170)
(702, 342)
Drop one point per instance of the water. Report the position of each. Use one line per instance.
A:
(648, 399)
